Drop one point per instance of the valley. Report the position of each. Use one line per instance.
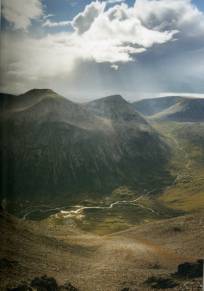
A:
(186, 193)
(125, 259)
(108, 218)
(100, 194)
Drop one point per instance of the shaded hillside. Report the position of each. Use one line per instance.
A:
(115, 108)
(188, 110)
(54, 148)
(44, 105)
(149, 107)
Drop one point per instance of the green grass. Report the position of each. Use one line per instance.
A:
(187, 143)
(120, 217)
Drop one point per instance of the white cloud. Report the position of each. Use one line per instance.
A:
(103, 35)
(170, 14)
(20, 13)
(33, 58)
(196, 95)
(115, 67)
(116, 34)
(84, 20)
(114, 1)
(47, 16)
(49, 23)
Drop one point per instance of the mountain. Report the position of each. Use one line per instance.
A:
(10, 102)
(115, 108)
(149, 107)
(53, 148)
(175, 108)
(187, 110)
(42, 105)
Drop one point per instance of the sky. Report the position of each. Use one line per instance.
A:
(87, 49)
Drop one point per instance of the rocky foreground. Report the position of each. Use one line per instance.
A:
(145, 257)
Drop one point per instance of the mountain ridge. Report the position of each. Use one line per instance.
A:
(172, 108)
(58, 149)
(151, 106)
(115, 107)
(188, 110)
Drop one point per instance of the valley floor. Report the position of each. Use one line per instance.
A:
(91, 262)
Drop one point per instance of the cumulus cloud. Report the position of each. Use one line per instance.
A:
(20, 13)
(84, 20)
(117, 34)
(111, 35)
(170, 14)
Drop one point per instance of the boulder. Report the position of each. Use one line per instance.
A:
(67, 287)
(161, 283)
(190, 270)
(20, 288)
(44, 283)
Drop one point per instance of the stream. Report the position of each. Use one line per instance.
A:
(80, 209)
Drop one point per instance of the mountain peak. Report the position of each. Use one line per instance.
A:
(114, 107)
(37, 91)
(112, 99)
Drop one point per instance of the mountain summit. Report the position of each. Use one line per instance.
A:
(36, 92)
(115, 108)
(25, 100)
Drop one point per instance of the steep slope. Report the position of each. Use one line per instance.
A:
(55, 149)
(139, 140)
(21, 102)
(188, 110)
(187, 142)
(149, 107)
(42, 105)
(115, 108)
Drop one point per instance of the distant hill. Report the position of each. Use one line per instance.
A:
(175, 108)
(53, 148)
(149, 107)
(187, 110)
